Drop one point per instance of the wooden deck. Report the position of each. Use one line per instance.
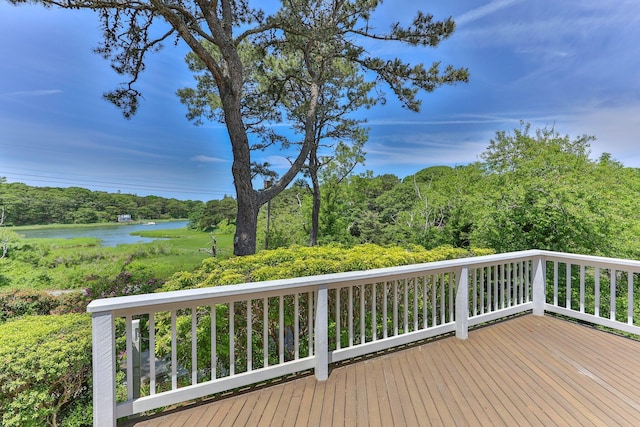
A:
(529, 370)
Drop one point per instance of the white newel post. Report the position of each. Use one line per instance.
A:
(321, 334)
(539, 284)
(462, 303)
(104, 372)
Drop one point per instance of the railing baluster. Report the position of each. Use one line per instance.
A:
(568, 283)
(350, 317)
(395, 308)
(451, 296)
(214, 340)
(374, 314)
(362, 323)
(582, 274)
(194, 345)
(296, 326)
(496, 287)
(281, 329)
(310, 322)
(443, 304)
(232, 338)
(425, 312)
(504, 292)
(249, 336)
(434, 311)
(527, 282)
(596, 296)
(482, 288)
(174, 352)
(385, 309)
(612, 291)
(405, 303)
(555, 282)
(338, 317)
(152, 353)
(129, 355)
(265, 332)
(509, 295)
(630, 304)
(474, 303)
(415, 304)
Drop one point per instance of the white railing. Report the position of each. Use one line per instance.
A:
(193, 343)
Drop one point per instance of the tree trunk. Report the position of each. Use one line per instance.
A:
(315, 213)
(244, 242)
(315, 210)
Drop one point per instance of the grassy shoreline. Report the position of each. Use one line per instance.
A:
(59, 264)
(18, 228)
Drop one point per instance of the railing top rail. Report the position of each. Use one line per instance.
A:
(591, 259)
(201, 294)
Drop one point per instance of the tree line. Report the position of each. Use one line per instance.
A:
(28, 205)
(530, 189)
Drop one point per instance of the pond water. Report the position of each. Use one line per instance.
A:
(110, 235)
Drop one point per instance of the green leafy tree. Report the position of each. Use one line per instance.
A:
(130, 33)
(214, 212)
(544, 194)
(335, 169)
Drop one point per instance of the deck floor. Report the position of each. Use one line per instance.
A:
(529, 370)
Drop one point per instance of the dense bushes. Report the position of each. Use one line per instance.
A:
(299, 261)
(19, 303)
(45, 371)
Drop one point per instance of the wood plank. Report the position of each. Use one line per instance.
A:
(266, 418)
(304, 410)
(414, 394)
(524, 385)
(405, 387)
(374, 416)
(437, 391)
(393, 394)
(356, 403)
(317, 403)
(364, 411)
(554, 370)
(339, 397)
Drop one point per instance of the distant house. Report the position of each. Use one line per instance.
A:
(124, 218)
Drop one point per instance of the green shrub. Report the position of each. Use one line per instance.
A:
(17, 303)
(299, 261)
(45, 370)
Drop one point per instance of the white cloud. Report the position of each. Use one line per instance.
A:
(482, 11)
(24, 93)
(201, 158)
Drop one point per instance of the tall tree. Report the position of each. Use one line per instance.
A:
(130, 34)
(545, 194)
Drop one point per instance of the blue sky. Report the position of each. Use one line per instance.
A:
(572, 64)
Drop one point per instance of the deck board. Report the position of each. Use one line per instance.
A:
(527, 370)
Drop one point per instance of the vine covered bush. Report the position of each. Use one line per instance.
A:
(45, 371)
